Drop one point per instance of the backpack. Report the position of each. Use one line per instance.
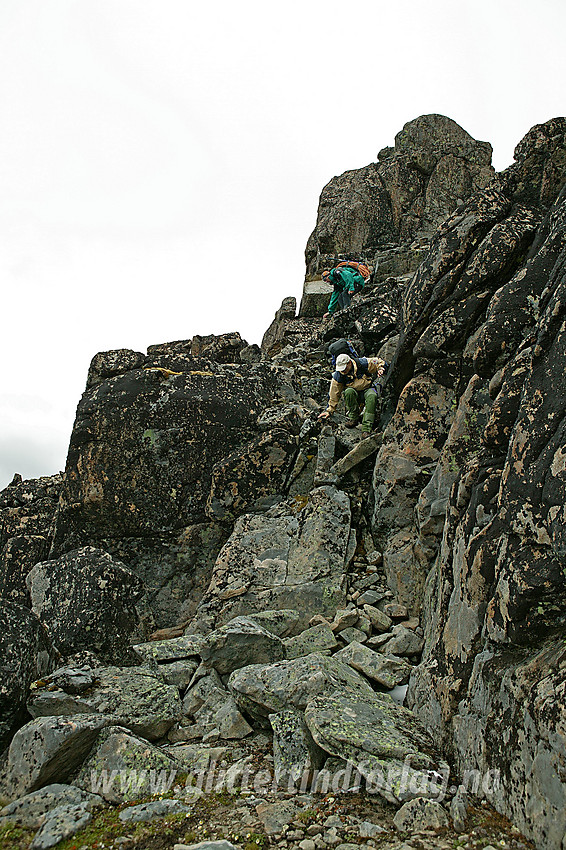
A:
(340, 346)
(361, 268)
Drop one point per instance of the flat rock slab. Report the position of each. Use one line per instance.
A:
(150, 811)
(383, 669)
(32, 809)
(382, 739)
(171, 657)
(364, 449)
(122, 767)
(49, 749)
(240, 642)
(264, 689)
(316, 639)
(196, 757)
(206, 845)
(133, 696)
(59, 824)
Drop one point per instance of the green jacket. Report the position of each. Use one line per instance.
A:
(343, 279)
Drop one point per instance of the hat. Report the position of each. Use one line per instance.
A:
(342, 362)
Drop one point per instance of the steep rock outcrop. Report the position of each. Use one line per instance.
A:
(407, 193)
(488, 299)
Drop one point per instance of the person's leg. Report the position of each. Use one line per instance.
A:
(343, 300)
(371, 399)
(351, 403)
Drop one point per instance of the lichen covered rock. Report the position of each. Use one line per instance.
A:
(86, 600)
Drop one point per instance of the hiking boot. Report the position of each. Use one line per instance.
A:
(365, 434)
(351, 423)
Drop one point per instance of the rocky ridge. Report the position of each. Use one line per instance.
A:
(221, 604)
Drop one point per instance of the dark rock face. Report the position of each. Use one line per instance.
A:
(434, 166)
(222, 349)
(175, 567)
(287, 331)
(27, 512)
(86, 600)
(161, 436)
(245, 480)
(26, 654)
(489, 298)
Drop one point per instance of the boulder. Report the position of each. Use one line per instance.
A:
(239, 643)
(196, 758)
(344, 619)
(295, 555)
(109, 364)
(274, 816)
(224, 348)
(387, 671)
(264, 689)
(213, 709)
(122, 768)
(144, 444)
(133, 696)
(174, 660)
(48, 750)
(420, 814)
(86, 600)
(316, 639)
(380, 622)
(404, 642)
(382, 739)
(281, 623)
(295, 753)
(147, 812)
(32, 810)
(61, 823)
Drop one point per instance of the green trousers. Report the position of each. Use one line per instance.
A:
(353, 401)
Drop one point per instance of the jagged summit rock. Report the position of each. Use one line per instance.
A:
(433, 167)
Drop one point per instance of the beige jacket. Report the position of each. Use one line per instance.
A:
(357, 383)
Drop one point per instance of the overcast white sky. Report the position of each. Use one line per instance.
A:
(161, 161)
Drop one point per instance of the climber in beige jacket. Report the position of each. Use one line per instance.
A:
(356, 377)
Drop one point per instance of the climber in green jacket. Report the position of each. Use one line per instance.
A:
(346, 281)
